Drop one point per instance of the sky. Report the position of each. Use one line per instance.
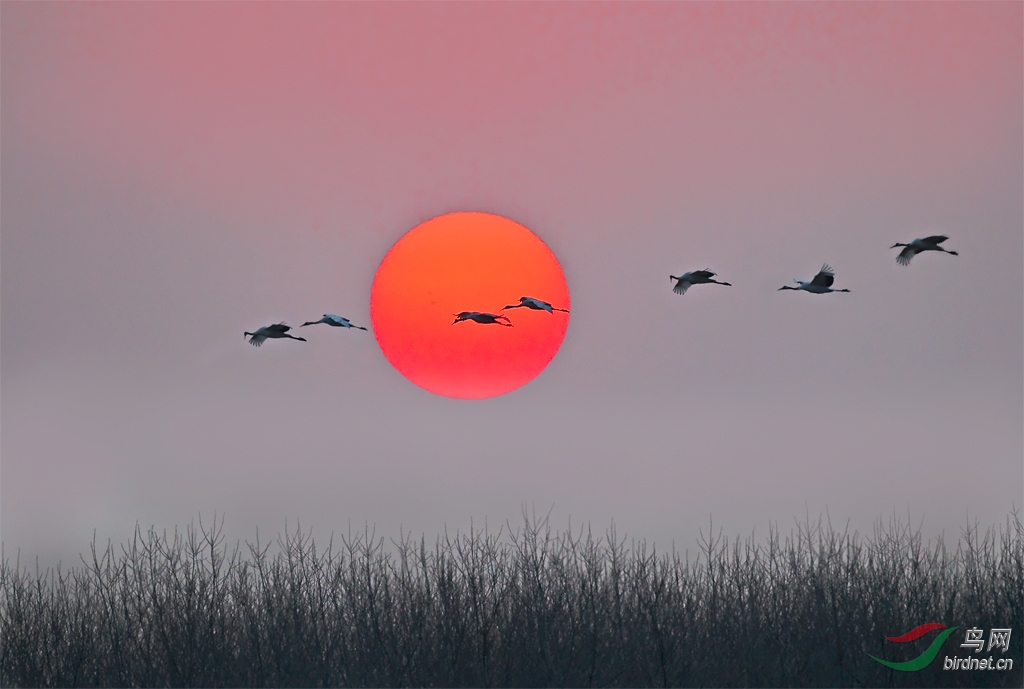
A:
(174, 174)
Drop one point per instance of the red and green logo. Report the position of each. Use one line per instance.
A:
(929, 654)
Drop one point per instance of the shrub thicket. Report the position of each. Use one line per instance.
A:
(530, 607)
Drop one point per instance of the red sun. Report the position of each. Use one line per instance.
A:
(468, 262)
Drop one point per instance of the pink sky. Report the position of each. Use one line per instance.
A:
(177, 173)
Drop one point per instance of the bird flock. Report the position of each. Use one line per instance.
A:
(487, 318)
(822, 282)
(280, 330)
(819, 284)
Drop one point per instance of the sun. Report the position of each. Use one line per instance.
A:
(468, 262)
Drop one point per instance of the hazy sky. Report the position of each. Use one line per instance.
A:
(174, 174)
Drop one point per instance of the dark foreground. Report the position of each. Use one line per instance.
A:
(531, 608)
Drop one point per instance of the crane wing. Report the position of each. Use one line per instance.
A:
(277, 328)
(702, 274)
(825, 277)
(935, 239)
(904, 258)
(681, 286)
(257, 338)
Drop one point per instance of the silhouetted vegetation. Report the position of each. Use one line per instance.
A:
(530, 607)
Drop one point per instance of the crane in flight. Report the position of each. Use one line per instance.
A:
(695, 277)
(535, 304)
(336, 321)
(482, 317)
(272, 331)
(921, 244)
(820, 284)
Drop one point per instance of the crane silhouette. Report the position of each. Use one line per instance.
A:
(921, 244)
(535, 304)
(336, 321)
(820, 284)
(695, 277)
(482, 317)
(271, 331)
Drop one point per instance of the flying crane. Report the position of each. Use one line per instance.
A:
(535, 304)
(271, 331)
(820, 284)
(336, 321)
(918, 245)
(695, 277)
(482, 317)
